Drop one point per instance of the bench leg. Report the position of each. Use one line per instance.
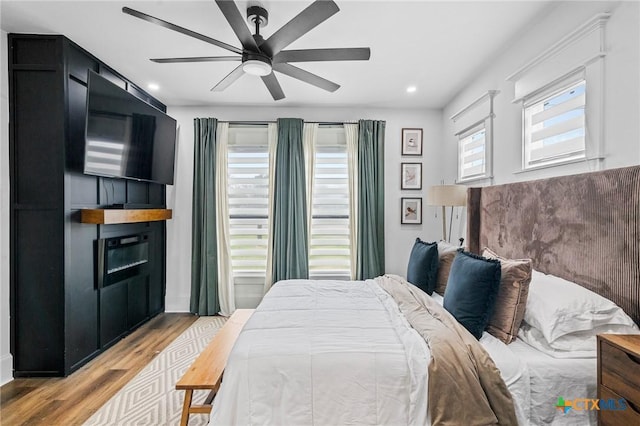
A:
(188, 396)
(212, 394)
(210, 398)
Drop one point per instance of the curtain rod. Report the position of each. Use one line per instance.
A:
(274, 122)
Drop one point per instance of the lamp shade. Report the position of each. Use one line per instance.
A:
(447, 195)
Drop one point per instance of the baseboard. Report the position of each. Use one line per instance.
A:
(6, 369)
(176, 304)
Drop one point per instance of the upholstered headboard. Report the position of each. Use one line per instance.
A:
(584, 228)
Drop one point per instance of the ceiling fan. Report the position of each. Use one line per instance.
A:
(261, 57)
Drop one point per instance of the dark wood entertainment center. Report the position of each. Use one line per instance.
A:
(61, 314)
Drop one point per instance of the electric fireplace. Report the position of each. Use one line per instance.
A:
(121, 258)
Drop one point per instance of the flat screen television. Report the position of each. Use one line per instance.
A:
(126, 137)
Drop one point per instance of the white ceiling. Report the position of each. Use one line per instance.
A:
(436, 46)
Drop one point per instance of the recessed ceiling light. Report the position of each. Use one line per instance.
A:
(411, 89)
(153, 86)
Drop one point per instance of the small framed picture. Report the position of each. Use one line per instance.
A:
(412, 142)
(411, 176)
(411, 211)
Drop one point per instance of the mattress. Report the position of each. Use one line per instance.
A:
(551, 378)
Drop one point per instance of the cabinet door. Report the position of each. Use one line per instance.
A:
(113, 312)
(38, 294)
(138, 309)
(156, 268)
(81, 294)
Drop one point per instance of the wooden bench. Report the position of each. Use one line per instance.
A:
(206, 371)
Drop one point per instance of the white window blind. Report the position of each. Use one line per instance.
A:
(555, 126)
(329, 253)
(472, 154)
(248, 174)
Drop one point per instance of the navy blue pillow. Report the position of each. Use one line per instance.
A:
(471, 291)
(423, 266)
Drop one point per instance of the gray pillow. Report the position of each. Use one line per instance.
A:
(446, 253)
(512, 297)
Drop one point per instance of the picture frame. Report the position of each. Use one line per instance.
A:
(411, 211)
(410, 176)
(412, 142)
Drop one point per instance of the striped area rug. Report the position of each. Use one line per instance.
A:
(150, 398)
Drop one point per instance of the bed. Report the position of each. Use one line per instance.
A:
(350, 353)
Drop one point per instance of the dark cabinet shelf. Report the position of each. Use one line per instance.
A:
(111, 216)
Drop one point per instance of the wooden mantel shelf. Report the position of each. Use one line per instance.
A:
(110, 216)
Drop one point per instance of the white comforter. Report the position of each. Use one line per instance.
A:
(358, 360)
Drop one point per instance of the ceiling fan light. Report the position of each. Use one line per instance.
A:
(255, 67)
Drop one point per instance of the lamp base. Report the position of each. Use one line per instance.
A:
(444, 224)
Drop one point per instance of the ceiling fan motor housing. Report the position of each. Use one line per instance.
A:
(253, 56)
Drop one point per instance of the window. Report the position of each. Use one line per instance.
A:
(474, 129)
(329, 252)
(554, 126)
(562, 93)
(472, 153)
(248, 174)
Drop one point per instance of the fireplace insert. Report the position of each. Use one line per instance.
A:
(121, 258)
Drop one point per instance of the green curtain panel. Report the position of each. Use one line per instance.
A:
(370, 255)
(204, 252)
(290, 252)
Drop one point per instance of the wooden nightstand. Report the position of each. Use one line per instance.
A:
(619, 379)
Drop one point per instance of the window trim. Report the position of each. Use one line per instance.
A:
(583, 50)
(487, 116)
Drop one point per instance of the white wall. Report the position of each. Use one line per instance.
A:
(621, 88)
(6, 361)
(398, 239)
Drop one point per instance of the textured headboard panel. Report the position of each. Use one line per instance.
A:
(584, 228)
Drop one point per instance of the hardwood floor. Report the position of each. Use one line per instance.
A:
(72, 400)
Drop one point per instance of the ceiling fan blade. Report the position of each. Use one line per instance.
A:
(306, 76)
(179, 29)
(274, 86)
(196, 59)
(315, 55)
(231, 12)
(318, 12)
(229, 79)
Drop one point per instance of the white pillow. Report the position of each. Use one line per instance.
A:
(581, 344)
(557, 307)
